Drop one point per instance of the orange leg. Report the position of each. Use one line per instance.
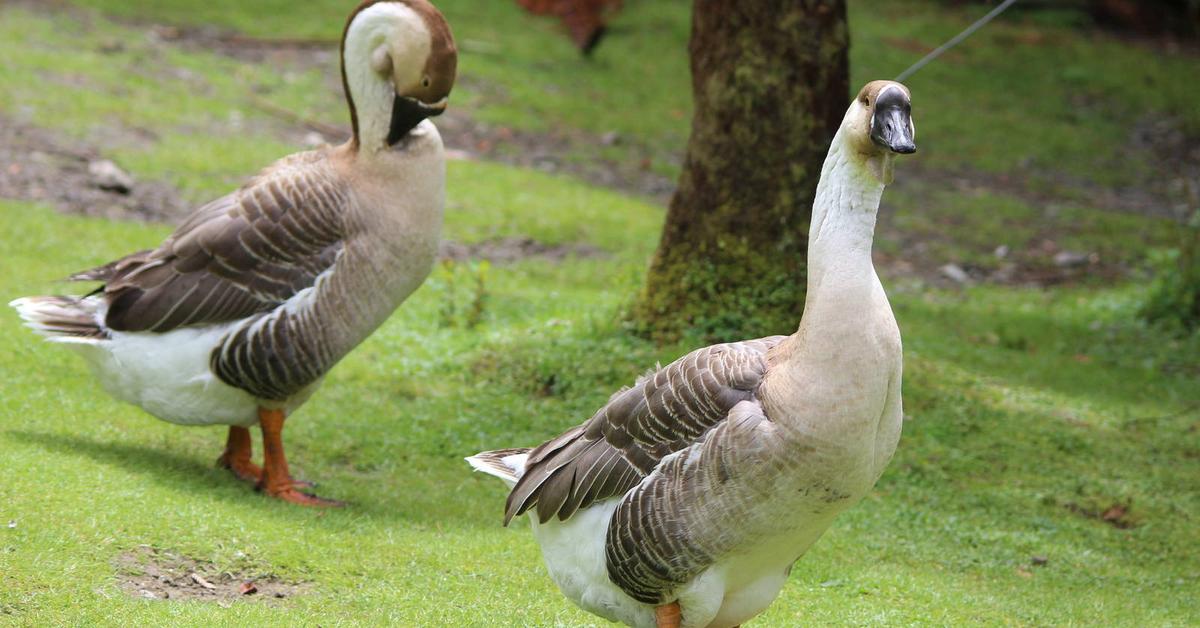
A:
(236, 458)
(667, 615)
(237, 455)
(276, 480)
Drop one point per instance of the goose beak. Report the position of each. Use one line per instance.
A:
(891, 126)
(408, 112)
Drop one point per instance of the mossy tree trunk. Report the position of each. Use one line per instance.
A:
(770, 86)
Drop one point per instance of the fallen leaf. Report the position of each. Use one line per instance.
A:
(1021, 571)
(247, 588)
(1115, 513)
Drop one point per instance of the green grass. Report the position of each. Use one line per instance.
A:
(967, 226)
(1059, 129)
(1013, 98)
(1019, 412)
(1027, 408)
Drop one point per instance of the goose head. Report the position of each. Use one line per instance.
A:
(398, 67)
(879, 126)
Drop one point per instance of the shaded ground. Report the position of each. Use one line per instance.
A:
(1046, 257)
(569, 151)
(505, 250)
(930, 253)
(1176, 154)
(38, 165)
(158, 574)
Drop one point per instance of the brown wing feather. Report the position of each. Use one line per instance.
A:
(676, 521)
(244, 253)
(666, 411)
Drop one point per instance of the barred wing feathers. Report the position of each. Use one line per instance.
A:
(241, 254)
(666, 411)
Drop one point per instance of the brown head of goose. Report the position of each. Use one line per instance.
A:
(238, 315)
(685, 500)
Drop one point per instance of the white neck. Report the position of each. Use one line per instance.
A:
(384, 32)
(841, 275)
(843, 221)
(835, 349)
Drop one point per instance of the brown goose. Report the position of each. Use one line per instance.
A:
(238, 315)
(686, 499)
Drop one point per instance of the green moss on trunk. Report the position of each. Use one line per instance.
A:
(770, 84)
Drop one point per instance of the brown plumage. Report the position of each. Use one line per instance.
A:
(241, 254)
(671, 410)
(687, 498)
(664, 412)
(238, 314)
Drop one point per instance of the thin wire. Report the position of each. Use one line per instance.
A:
(955, 40)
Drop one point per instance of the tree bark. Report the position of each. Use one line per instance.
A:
(770, 86)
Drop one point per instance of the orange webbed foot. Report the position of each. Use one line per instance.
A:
(300, 498)
(276, 480)
(236, 456)
(243, 470)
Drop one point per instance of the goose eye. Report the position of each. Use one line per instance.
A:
(425, 82)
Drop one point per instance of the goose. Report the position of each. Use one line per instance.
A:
(685, 500)
(238, 315)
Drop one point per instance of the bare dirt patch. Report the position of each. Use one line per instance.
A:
(1174, 156)
(38, 165)
(157, 574)
(1165, 189)
(559, 151)
(466, 138)
(515, 249)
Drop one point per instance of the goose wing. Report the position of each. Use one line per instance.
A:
(667, 410)
(241, 254)
(694, 509)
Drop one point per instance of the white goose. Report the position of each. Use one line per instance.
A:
(686, 499)
(238, 315)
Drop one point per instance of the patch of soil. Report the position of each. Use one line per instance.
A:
(1117, 515)
(556, 151)
(465, 137)
(514, 249)
(1167, 190)
(156, 574)
(38, 165)
(1175, 156)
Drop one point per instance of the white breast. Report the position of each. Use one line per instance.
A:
(732, 591)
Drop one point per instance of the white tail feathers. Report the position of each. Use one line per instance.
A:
(63, 319)
(506, 464)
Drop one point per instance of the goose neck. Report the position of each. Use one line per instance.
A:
(844, 211)
(368, 94)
